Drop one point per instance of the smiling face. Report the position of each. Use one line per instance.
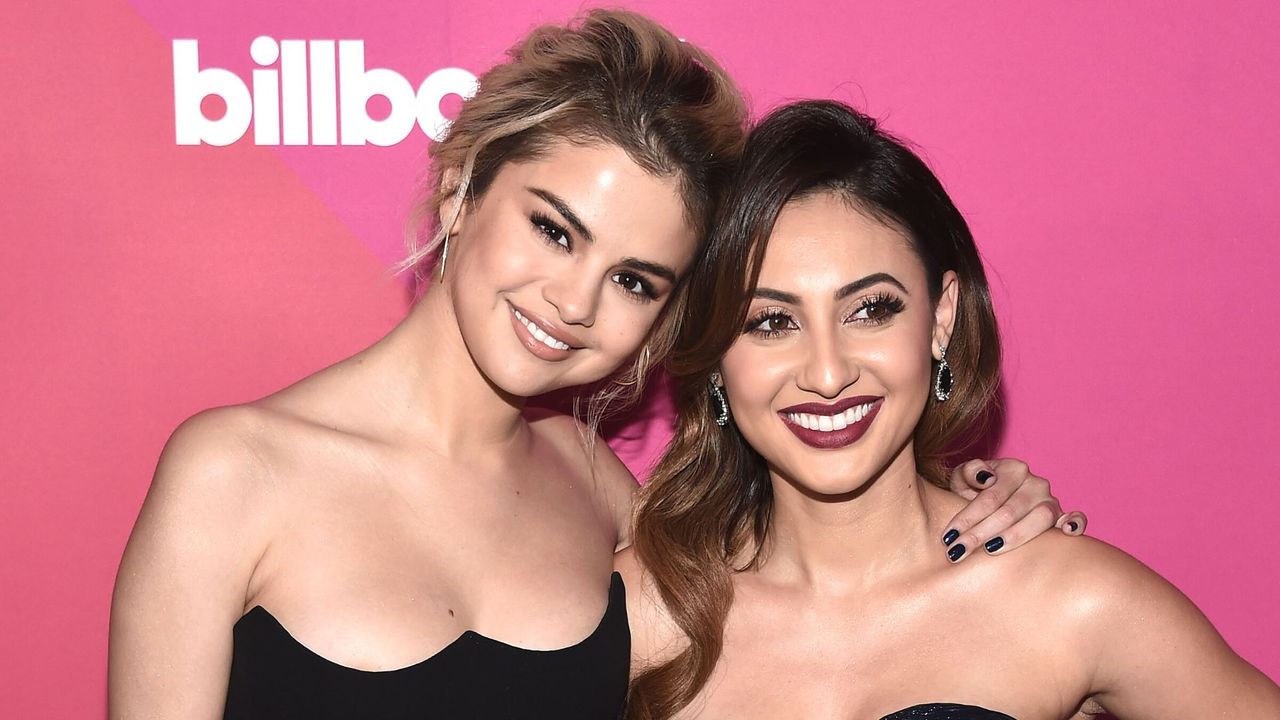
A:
(559, 271)
(831, 374)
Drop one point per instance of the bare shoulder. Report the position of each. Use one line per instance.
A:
(614, 483)
(1091, 579)
(216, 455)
(1149, 650)
(655, 637)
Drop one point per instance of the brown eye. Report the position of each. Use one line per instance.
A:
(771, 323)
(877, 310)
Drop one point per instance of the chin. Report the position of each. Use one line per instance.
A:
(834, 485)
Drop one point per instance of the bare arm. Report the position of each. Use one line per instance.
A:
(655, 638)
(1159, 657)
(185, 575)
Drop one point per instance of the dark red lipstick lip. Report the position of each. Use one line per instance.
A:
(835, 439)
(813, 408)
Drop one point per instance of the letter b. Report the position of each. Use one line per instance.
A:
(191, 85)
(358, 85)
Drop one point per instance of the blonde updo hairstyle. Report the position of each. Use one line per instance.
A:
(608, 77)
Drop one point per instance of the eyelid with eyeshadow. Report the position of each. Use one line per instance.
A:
(753, 324)
(890, 303)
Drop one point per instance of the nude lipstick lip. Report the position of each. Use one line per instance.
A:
(540, 337)
(831, 426)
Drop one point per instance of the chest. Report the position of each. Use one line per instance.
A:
(379, 565)
(867, 659)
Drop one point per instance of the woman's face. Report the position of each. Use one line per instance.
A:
(830, 376)
(561, 268)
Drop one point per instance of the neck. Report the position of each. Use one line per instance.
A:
(841, 543)
(436, 395)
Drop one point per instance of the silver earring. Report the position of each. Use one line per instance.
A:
(444, 256)
(718, 400)
(944, 380)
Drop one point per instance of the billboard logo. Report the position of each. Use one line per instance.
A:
(298, 107)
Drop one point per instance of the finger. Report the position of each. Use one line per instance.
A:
(967, 479)
(1034, 523)
(998, 491)
(1072, 523)
(990, 532)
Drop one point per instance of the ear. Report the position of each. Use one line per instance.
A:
(944, 315)
(453, 208)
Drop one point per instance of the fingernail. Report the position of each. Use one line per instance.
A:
(984, 476)
(956, 552)
(951, 536)
(1073, 526)
(994, 544)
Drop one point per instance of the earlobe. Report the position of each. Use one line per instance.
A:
(945, 312)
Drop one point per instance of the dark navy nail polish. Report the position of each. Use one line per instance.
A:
(1072, 526)
(994, 544)
(951, 536)
(956, 552)
(984, 477)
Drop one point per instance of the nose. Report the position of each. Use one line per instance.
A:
(575, 296)
(828, 366)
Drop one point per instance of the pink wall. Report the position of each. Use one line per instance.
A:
(1118, 165)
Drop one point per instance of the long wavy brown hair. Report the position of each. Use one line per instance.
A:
(705, 513)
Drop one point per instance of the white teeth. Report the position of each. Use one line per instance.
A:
(540, 334)
(831, 423)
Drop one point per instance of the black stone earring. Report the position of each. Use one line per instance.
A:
(943, 381)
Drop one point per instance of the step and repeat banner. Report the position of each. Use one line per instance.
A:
(201, 203)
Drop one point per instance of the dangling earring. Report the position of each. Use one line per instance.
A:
(944, 380)
(444, 256)
(718, 400)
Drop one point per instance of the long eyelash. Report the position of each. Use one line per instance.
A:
(753, 324)
(891, 303)
(647, 290)
(549, 229)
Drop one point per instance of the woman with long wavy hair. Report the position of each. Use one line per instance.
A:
(840, 346)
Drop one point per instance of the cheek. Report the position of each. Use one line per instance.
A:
(753, 377)
(497, 256)
(622, 325)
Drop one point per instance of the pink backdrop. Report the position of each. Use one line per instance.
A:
(1117, 162)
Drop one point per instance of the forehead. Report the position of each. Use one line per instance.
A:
(824, 242)
(620, 202)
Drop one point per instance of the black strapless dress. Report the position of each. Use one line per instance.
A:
(946, 711)
(275, 677)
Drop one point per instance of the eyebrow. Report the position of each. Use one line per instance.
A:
(565, 211)
(844, 292)
(661, 271)
(570, 217)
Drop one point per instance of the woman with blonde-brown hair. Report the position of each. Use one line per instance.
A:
(780, 566)
(352, 545)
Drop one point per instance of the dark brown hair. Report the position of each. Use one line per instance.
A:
(706, 510)
(612, 77)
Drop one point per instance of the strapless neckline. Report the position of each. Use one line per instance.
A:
(260, 614)
(276, 677)
(946, 711)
